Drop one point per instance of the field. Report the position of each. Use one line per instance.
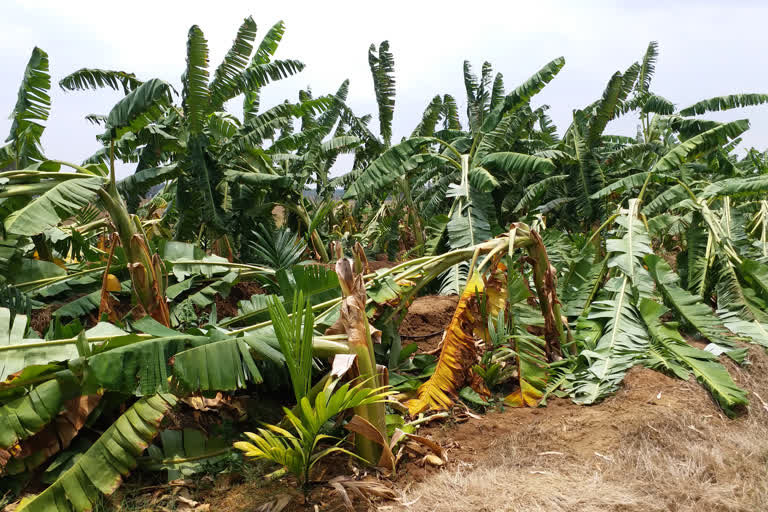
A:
(284, 307)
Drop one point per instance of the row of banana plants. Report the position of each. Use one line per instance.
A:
(51, 388)
(574, 259)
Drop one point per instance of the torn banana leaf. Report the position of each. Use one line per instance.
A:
(669, 344)
(100, 470)
(55, 437)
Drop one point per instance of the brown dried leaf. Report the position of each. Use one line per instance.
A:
(434, 460)
(276, 504)
(363, 427)
(363, 488)
(57, 435)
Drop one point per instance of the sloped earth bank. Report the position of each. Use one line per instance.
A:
(659, 444)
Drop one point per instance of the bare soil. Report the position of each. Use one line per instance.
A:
(426, 320)
(226, 307)
(659, 444)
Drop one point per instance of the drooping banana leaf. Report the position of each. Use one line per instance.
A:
(223, 365)
(720, 103)
(623, 344)
(580, 285)
(59, 202)
(15, 356)
(183, 453)
(29, 414)
(386, 169)
(700, 256)
(627, 252)
(733, 295)
(138, 108)
(754, 330)
(756, 275)
(92, 78)
(532, 371)
(458, 353)
(141, 367)
(56, 436)
(687, 305)
(699, 144)
(100, 470)
(704, 365)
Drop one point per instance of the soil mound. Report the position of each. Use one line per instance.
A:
(426, 320)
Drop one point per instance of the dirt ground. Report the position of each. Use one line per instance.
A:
(426, 319)
(659, 444)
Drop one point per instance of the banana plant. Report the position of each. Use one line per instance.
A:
(205, 155)
(44, 196)
(489, 148)
(596, 171)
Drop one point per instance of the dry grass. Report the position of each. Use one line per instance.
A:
(679, 459)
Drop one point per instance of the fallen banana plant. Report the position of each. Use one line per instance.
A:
(485, 297)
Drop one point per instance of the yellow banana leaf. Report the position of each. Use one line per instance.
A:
(458, 355)
(532, 371)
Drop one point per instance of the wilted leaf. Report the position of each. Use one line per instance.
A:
(458, 354)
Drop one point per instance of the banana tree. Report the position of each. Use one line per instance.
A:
(23, 146)
(206, 155)
(595, 171)
(469, 169)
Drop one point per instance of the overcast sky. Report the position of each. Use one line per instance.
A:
(707, 48)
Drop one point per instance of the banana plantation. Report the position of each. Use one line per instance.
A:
(236, 303)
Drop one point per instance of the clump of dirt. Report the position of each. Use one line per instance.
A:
(426, 320)
(375, 265)
(226, 307)
(40, 319)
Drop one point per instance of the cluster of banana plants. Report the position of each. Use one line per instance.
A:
(637, 280)
(574, 258)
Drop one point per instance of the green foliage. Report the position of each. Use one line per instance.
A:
(33, 106)
(138, 108)
(670, 345)
(612, 209)
(724, 103)
(298, 452)
(183, 453)
(383, 70)
(294, 333)
(277, 249)
(59, 202)
(100, 469)
(91, 78)
(29, 414)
